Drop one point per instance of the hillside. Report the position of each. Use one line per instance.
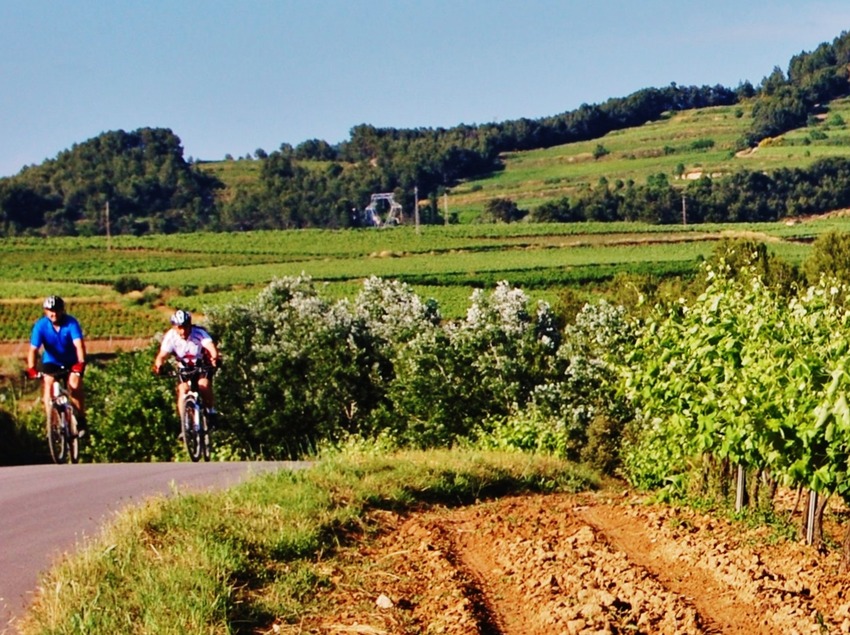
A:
(613, 160)
(681, 145)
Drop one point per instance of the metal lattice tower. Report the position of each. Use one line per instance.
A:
(394, 217)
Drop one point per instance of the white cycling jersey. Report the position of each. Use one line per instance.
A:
(189, 351)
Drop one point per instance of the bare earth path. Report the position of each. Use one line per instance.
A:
(579, 564)
(18, 350)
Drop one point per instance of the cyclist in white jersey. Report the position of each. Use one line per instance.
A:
(191, 346)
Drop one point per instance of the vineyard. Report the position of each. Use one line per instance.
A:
(102, 320)
(446, 263)
(745, 377)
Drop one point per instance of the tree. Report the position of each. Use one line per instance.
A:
(830, 256)
(503, 210)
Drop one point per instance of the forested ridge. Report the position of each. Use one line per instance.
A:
(146, 185)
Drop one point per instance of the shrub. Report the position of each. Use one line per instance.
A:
(126, 284)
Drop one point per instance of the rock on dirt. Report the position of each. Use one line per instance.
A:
(578, 565)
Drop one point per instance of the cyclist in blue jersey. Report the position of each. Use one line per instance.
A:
(61, 338)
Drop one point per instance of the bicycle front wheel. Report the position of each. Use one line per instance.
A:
(56, 440)
(71, 435)
(192, 434)
(206, 442)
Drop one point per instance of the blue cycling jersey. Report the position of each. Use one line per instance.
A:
(58, 345)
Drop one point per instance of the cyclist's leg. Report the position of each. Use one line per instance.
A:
(205, 388)
(182, 389)
(75, 389)
(47, 372)
(47, 396)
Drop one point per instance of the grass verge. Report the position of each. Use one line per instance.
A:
(241, 560)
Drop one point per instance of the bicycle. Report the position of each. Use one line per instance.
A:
(61, 426)
(194, 423)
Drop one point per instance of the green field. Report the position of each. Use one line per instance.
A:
(445, 263)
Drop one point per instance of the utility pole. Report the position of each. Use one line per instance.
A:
(684, 210)
(108, 234)
(446, 207)
(416, 206)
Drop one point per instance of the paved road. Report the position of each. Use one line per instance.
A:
(46, 510)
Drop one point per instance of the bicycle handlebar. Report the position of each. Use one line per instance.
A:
(185, 373)
(62, 373)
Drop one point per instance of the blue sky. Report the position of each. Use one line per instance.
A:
(232, 76)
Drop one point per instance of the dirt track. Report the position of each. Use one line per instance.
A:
(580, 565)
(18, 350)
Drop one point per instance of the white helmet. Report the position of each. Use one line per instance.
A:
(181, 318)
(54, 303)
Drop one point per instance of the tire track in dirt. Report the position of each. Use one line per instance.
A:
(584, 564)
(723, 611)
(544, 569)
(587, 564)
(737, 580)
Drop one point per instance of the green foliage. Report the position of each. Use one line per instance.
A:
(305, 369)
(141, 175)
(22, 432)
(747, 376)
(740, 196)
(836, 120)
(125, 284)
(133, 415)
(830, 257)
(503, 210)
(702, 144)
(744, 257)
(574, 411)
(486, 365)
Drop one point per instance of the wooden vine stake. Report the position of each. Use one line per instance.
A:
(810, 517)
(740, 488)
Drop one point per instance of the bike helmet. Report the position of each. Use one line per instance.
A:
(181, 318)
(54, 303)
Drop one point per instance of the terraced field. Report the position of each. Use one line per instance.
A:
(124, 287)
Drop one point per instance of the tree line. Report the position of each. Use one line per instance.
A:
(150, 187)
(743, 196)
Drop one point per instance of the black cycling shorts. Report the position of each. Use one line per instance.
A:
(53, 369)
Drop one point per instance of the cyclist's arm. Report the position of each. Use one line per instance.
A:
(212, 349)
(35, 344)
(161, 356)
(165, 349)
(31, 356)
(80, 347)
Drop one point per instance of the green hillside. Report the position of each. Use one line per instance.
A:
(681, 145)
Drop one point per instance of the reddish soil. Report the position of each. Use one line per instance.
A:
(578, 564)
(18, 350)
